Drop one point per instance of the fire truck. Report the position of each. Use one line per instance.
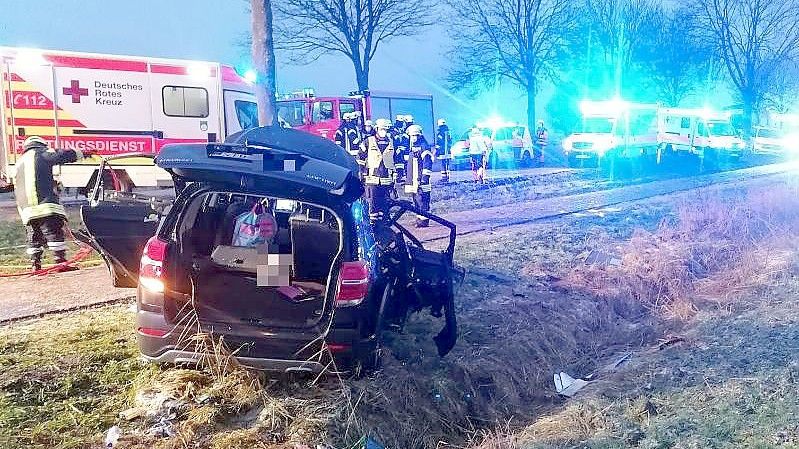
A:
(322, 115)
(117, 104)
(612, 130)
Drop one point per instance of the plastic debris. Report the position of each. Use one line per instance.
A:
(132, 413)
(568, 386)
(112, 437)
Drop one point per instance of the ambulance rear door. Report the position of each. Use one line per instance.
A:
(185, 103)
(29, 108)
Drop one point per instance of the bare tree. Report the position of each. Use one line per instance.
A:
(263, 57)
(756, 41)
(679, 61)
(522, 40)
(309, 29)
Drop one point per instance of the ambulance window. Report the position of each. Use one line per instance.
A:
(700, 129)
(182, 101)
(247, 114)
(322, 110)
(685, 123)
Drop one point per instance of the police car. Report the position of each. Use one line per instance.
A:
(323, 280)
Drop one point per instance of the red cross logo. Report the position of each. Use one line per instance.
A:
(75, 91)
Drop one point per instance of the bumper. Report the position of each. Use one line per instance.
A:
(264, 364)
(768, 150)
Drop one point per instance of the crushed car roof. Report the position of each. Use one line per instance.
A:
(266, 152)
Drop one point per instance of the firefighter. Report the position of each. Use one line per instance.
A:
(541, 142)
(369, 129)
(400, 148)
(478, 150)
(37, 199)
(419, 169)
(341, 133)
(443, 148)
(379, 176)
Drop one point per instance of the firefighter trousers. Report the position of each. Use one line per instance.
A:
(377, 196)
(47, 231)
(422, 202)
(444, 169)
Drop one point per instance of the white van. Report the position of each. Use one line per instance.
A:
(699, 132)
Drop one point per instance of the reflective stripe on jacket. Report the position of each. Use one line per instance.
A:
(35, 187)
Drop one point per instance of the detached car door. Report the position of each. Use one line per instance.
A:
(118, 224)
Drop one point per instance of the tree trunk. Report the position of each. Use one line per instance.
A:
(531, 107)
(263, 56)
(748, 111)
(362, 77)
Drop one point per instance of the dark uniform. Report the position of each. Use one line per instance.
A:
(379, 177)
(444, 149)
(419, 169)
(400, 149)
(37, 199)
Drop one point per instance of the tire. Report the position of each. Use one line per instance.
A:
(367, 356)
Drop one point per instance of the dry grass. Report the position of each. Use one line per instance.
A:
(715, 248)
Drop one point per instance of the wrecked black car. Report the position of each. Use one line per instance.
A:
(317, 279)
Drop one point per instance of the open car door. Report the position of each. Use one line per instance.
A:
(429, 275)
(117, 224)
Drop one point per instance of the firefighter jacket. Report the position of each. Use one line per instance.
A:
(443, 142)
(541, 137)
(34, 185)
(401, 151)
(419, 168)
(347, 137)
(379, 161)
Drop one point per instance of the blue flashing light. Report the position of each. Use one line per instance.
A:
(251, 76)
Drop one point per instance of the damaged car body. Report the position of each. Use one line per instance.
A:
(324, 280)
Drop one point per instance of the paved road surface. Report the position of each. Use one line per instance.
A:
(27, 296)
(470, 221)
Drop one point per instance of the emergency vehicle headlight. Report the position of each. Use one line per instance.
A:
(29, 58)
(199, 71)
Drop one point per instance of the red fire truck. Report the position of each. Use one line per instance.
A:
(322, 115)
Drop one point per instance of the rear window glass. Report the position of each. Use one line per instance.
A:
(247, 114)
(180, 101)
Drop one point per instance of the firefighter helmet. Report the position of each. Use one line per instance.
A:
(441, 122)
(414, 130)
(383, 123)
(400, 118)
(540, 123)
(33, 142)
(368, 123)
(408, 118)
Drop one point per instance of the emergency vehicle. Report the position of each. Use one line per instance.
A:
(117, 104)
(700, 132)
(769, 141)
(613, 129)
(322, 115)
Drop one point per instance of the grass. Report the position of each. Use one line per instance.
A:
(63, 380)
(12, 245)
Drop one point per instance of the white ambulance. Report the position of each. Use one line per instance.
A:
(117, 104)
(700, 132)
(613, 128)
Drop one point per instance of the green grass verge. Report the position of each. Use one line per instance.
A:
(64, 379)
(12, 245)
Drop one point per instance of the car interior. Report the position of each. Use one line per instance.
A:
(280, 279)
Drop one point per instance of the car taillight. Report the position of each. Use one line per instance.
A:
(353, 284)
(152, 261)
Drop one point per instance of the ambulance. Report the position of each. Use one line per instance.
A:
(117, 104)
(612, 129)
(700, 132)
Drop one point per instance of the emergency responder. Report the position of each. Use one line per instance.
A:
(478, 152)
(541, 142)
(400, 147)
(369, 129)
(341, 133)
(443, 148)
(379, 176)
(419, 169)
(37, 199)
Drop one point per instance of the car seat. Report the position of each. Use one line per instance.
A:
(315, 242)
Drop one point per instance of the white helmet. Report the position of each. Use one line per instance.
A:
(383, 123)
(408, 118)
(414, 130)
(441, 122)
(368, 123)
(400, 118)
(34, 141)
